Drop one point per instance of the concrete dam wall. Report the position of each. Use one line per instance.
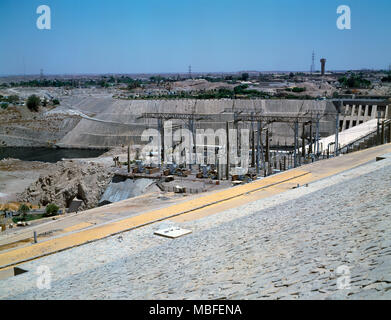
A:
(118, 123)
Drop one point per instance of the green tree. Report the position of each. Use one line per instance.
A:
(244, 76)
(23, 210)
(51, 210)
(297, 89)
(354, 81)
(240, 89)
(386, 79)
(33, 103)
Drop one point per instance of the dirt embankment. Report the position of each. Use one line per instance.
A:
(66, 181)
(20, 127)
(16, 175)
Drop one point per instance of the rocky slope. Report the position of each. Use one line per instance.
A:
(68, 180)
(20, 127)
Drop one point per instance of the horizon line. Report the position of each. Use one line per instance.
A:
(181, 73)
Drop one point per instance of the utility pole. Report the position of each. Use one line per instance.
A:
(236, 127)
(389, 132)
(310, 147)
(317, 133)
(378, 129)
(161, 147)
(296, 144)
(129, 158)
(191, 141)
(339, 108)
(262, 152)
(267, 156)
(258, 145)
(268, 162)
(303, 141)
(228, 166)
(252, 143)
(383, 136)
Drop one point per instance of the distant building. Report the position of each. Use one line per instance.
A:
(323, 65)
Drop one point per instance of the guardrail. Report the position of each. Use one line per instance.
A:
(380, 136)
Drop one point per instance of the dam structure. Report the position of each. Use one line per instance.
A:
(120, 122)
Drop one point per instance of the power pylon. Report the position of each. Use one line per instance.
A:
(313, 63)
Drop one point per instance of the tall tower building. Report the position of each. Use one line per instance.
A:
(323, 63)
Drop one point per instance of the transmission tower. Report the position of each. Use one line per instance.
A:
(313, 62)
(190, 76)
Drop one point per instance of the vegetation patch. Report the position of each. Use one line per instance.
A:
(33, 103)
(355, 81)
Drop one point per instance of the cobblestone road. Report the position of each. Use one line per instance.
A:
(294, 245)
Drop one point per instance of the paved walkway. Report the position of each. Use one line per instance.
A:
(199, 207)
(288, 246)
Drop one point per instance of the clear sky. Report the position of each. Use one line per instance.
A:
(152, 36)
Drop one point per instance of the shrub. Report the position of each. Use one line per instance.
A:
(296, 89)
(13, 99)
(51, 210)
(33, 103)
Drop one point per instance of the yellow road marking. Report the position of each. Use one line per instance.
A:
(79, 226)
(198, 207)
(75, 239)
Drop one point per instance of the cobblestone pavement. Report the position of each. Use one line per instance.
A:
(295, 245)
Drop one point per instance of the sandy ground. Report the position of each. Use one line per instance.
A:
(17, 175)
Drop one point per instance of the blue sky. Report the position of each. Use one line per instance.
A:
(153, 36)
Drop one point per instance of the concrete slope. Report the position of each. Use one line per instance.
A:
(118, 191)
(118, 123)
